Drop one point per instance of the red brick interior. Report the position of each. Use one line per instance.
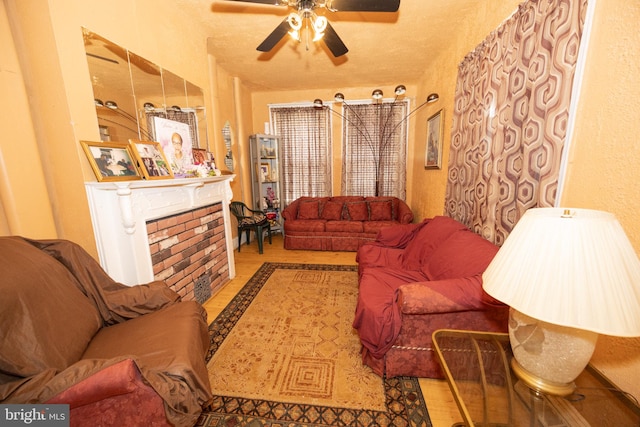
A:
(188, 246)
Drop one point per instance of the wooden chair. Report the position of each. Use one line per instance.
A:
(249, 219)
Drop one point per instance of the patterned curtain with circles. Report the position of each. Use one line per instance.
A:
(511, 115)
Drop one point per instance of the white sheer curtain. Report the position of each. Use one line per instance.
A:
(305, 146)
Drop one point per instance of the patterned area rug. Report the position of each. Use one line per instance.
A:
(283, 353)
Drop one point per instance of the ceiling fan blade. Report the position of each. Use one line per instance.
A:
(333, 42)
(364, 5)
(275, 36)
(272, 2)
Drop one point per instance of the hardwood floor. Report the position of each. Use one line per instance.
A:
(442, 408)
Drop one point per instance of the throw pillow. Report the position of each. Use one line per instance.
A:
(332, 211)
(380, 210)
(358, 211)
(308, 210)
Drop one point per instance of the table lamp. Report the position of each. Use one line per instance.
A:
(568, 275)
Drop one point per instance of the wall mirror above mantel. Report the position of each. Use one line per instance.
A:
(130, 92)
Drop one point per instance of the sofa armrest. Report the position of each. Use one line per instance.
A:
(291, 211)
(129, 302)
(120, 378)
(405, 215)
(445, 296)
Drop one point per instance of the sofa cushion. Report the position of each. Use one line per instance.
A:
(464, 254)
(358, 211)
(380, 210)
(332, 211)
(305, 225)
(309, 210)
(427, 239)
(47, 322)
(344, 226)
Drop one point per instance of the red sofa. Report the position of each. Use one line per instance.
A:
(341, 223)
(117, 355)
(415, 279)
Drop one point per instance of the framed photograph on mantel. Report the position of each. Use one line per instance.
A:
(151, 159)
(435, 135)
(111, 161)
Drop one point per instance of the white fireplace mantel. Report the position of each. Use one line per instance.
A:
(120, 210)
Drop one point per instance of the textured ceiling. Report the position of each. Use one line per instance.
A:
(384, 48)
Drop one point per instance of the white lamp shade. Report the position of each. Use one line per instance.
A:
(577, 270)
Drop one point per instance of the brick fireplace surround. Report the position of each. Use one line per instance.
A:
(188, 251)
(176, 230)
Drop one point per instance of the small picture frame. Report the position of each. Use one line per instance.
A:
(265, 172)
(199, 156)
(111, 161)
(151, 160)
(435, 135)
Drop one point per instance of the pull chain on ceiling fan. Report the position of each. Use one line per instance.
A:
(305, 12)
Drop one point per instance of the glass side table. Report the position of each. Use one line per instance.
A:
(477, 366)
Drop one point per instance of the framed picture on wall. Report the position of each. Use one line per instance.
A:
(151, 159)
(111, 161)
(435, 135)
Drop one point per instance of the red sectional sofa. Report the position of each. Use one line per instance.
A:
(341, 223)
(415, 279)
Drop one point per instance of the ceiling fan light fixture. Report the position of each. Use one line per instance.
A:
(319, 25)
(295, 21)
(400, 90)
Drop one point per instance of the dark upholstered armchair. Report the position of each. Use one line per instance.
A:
(117, 355)
(250, 220)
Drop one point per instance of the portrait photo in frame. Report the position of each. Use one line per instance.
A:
(265, 172)
(199, 156)
(435, 135)
(175, 140)
(111, 161)
(150, 159)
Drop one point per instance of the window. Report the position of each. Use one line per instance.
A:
(374, 149)
(305, 145)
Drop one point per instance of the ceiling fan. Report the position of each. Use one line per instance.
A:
(306, 12)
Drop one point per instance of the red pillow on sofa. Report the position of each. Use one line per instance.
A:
(358, 211)
(332, 211)
(380, 210)
(309, 210)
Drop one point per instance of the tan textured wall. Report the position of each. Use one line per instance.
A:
(603, 171)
